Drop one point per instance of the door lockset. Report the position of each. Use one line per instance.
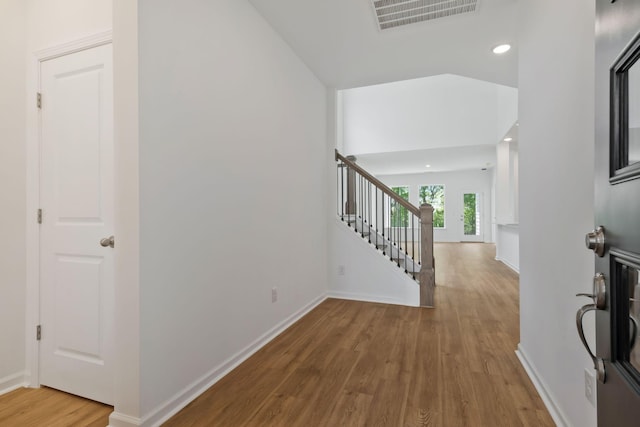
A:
(599, 297)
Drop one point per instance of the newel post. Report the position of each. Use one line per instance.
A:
(427, 267)
(350, 204)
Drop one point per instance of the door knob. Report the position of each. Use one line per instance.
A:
(595, 241)
(107, 242)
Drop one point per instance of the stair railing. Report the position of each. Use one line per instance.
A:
(402, 231)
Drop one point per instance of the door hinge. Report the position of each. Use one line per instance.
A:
(39, 100)
(39, 216)
(38, 332)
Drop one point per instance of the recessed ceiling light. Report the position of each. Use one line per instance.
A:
(428, 166)
(500, 49)
(508, 139)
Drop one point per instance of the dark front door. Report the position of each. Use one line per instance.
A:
(617, 210)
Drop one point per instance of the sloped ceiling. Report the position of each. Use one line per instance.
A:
(449, 122)
(340, 42)
(431, 112)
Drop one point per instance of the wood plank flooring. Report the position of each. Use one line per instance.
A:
(356, 364)
(27, 407)
(361, 364)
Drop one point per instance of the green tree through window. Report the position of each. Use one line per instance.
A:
(434, 195)
(399, 214)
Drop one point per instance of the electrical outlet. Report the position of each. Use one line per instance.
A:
(590, 386)
(274, 294)
(341, 270)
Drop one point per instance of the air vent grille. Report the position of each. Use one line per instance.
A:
(395, 13)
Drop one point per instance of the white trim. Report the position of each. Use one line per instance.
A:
(508, 264)
(74, 46)
(120, 420)
(12, 382)
(547, 397)
(33, 190)
(172, 406)
(369, 298)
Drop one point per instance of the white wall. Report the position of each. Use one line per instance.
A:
(12, 192)
(456, 183)
(53, 22)
(232, 145)
(438, 111)
(507, 113)
(507, 183)
(494, 225)
(508, 245)
(556, 115)
(127, 215)
(358, 271)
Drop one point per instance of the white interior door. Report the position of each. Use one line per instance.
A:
(76, 197)
(471, 220)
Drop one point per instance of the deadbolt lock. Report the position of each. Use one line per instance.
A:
(595, 241)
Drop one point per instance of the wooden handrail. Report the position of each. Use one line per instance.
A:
(361, 210)
(375, 181)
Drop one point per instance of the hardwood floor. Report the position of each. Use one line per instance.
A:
(27, 407)
(361, 364)
(356, 364)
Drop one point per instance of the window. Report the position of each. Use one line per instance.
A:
(434, 195)
(399, 214)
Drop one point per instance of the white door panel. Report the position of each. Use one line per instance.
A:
(76, 352)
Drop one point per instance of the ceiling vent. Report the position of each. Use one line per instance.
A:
(395, 13)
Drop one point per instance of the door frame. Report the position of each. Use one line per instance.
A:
(33, 164)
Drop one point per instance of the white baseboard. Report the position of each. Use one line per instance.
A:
(508, 264)
(120, 420)
(171, 407)
(556, 413)
(12, 382)
(369, 298)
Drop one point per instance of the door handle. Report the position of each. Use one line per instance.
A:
(107, 242)
(598, 363)
(599, 297)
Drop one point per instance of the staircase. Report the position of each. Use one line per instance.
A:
(398, 230)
